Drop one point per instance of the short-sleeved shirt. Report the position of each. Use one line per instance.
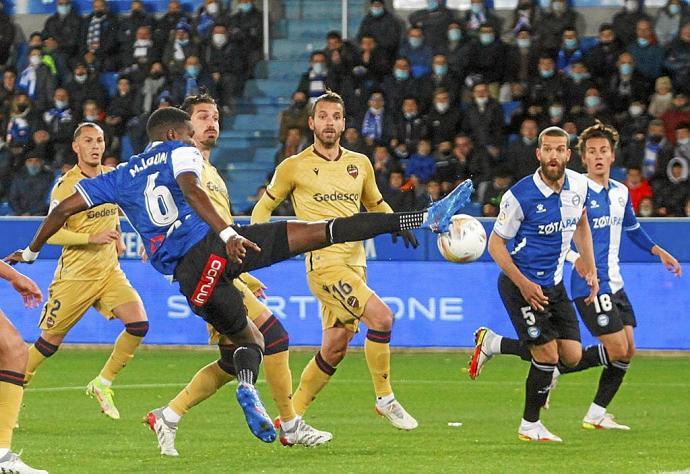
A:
(323, 189)
(542, 222)
(91, 261)
(146, 190)
(609, 211)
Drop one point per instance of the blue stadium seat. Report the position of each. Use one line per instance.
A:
(109, 81)
(509, 108)
(126, 150)
(588, 42)
(5, 209)
(618, 173)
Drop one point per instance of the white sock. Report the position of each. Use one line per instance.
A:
(290, 425)
(526, 425)
(385, 400)
(106, 382)
(495, 344)
(4, 451)
(595, 412)
(170, 415)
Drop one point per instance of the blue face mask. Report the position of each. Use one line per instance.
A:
(432, 4)
(64, 9)
(415, 42)
(245, 7)
(577, 76)
(33, 170)
(486, 38)
(376, 11)
(643, 42)
(674, 9)
(546, 73)
(440, 69)
(455, 34)
(524, 42)
(592, 101)
(401, 74)
(192, 71)
(570, 43)
(477, 8)
(319, 68)
(183, 42)
(555, 112)
(626, 69)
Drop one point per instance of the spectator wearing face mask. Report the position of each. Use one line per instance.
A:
(570, 52)
(678, 113)
(433, 21)
(591, 109)
(37, 81)
(625, 20)
(60, 122)
(601, 59)
(442, 78)
(192, 81)
(399, 84)
(129, 24)
(178, 48)
(649, 56)
(416, 52)
(673, 190)
(661, 100)
(677, 61)
(30, 187)
(99, 35)
(483, 122)
(638, 187)
(633, 123)
(479, 15)
(383, 26)
(318, 78)
(646, 208)
(557, 16)
(650, 153)
(456, 49)
(626, 85)
(124, 106)
(65, 26)
(226, 64)
(522, 58)
(577, 83)
(547, 87)
(170, 21)
(520, 155)
(340, 54)
(207, 16)
(137, 56)
(84, 86)
(682, 148)
(245, 27)
(409, 129)
(487, 58)
(377, 124)
(445, 118)
(295, 116)
(22, 121)
(669, 20)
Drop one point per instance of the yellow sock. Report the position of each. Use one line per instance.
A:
(205, 383)
(35, 360)
(10, 402)
(314, 378)
(279, 378)
(378, 357)
(123, 351)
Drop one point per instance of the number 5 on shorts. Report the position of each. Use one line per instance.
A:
(528, 315)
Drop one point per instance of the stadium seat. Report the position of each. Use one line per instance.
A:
(618, 173)
(109, 81)
(126, 150)
(508, 109)
(5, 209)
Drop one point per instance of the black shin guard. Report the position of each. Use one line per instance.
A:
(226, 360)
(370, 224)
(537, 389)
(276, 338)
(247, 359)
(610, 381)
(592, 356)
(45, 348)
(513, 347)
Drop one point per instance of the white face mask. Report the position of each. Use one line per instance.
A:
(80, 78)
(635, 110)
(219, 40)
(35, 60)
(212, 9)
(481, 100)
(441, 107)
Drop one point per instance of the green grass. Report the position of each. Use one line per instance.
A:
(63, 431)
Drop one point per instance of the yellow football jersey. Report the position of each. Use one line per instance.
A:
(323, 189)
(90, 261)
(217, 190)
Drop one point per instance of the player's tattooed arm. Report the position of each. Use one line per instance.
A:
(582, 237)
(50, 225)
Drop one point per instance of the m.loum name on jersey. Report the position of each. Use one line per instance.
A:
(144, 163)
(336, 196)
(558, 226)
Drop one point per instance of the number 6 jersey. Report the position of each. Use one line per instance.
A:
(146, 190)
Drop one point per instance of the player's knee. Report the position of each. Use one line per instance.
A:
(630, 353)
(276, 338)
(138, 329)
(334, 354)
(47, 347)
(13, 348)
(617, 350)
(383, 321)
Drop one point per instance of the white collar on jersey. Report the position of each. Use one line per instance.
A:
(543, 187)
(151, 145)
(596, 187)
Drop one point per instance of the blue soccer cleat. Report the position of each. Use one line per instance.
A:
(254, 412)
(439, 213)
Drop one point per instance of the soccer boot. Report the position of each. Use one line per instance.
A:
(398, 417)
(254, 412)
(606, 422)
(165, 431)
(104, 394)
(482, 354)
(302, 433)
(536, 432)
(12, 463)
(438, 215)
(554, 383)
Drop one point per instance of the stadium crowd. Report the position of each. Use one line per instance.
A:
(447, 96)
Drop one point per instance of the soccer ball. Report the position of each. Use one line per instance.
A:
(465, 240)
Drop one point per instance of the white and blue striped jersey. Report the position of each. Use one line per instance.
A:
(609, 212)
(146, 190)
(542, 222)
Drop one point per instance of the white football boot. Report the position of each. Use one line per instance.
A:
(397, 416)
(11, 462)
(536, 431)
(482, 352)
(606, 422)
(303, 434)
(165, 431)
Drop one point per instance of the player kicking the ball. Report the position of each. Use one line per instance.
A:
(611, 317)
(185, 237)
(326, 180)
(164, 421)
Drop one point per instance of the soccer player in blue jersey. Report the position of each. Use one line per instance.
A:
(543, 213)
(611, 317)
(160, 192)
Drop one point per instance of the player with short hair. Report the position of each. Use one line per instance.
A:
(88, 275)
(324, 181)
(13, 357)
(203, 110)
(611, 317)
(185, 237)
(543, 213)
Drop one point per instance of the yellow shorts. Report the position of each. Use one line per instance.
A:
(68, 300)
(255, 308)
(343, 293)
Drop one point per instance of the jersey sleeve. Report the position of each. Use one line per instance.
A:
(282, 183)
(186, 159)
(62, 190)
(99, 190)
(509, 218)
(371, 195)
(635, 232)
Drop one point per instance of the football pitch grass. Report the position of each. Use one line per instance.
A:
(63, 431)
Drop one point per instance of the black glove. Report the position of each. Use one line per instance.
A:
(408, 238)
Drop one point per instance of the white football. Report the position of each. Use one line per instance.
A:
(465, 240)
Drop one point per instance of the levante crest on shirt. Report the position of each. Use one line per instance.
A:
(352, 171)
